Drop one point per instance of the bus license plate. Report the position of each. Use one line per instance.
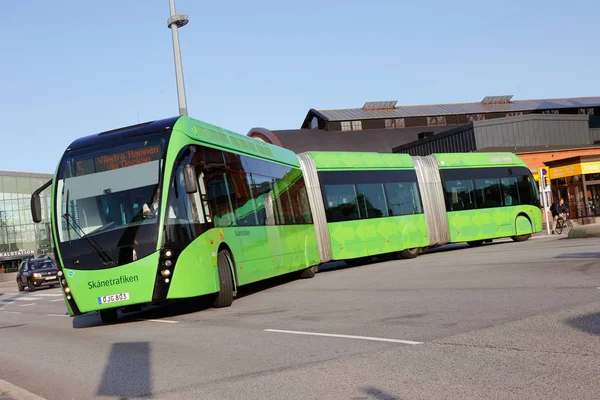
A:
(113, 298)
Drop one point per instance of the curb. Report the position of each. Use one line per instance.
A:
(10, 391)
(585, 231)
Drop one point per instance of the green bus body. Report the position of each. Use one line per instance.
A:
(179, 208)
(493, 222)
(364, 237)
(258, 252)
(388, 223)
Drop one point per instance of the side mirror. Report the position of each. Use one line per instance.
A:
(36, 204)
(189, 176)
(36, 209)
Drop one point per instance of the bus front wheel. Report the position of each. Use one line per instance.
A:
(225, 296)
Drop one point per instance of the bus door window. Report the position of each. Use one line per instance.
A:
(510, 192)
(403, 198)
(341, 203)
(372, 200)
(488, 193)
(460, 195)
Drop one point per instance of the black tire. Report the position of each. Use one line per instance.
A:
(567, 226)
(31, 286)
(308, 272)
(559, 228)
(475, 243)
(109, 316)
(20, 285)
(409, 253)
(355, 262)
(521, 238)
(225, 296)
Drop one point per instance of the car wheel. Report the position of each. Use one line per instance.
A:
(31, 286)
(20, 285)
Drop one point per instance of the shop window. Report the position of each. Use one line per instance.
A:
(356, 125)
(346, 126)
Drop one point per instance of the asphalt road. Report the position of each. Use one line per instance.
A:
(506, 320)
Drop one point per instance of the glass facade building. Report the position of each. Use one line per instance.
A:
(20, 237)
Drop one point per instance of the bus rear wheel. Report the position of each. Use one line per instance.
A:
(521, 238)
(108, 316)
(409, 253)
(475, 243)
(225, 296)
(308, 272)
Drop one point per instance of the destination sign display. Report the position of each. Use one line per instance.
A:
(119, 159)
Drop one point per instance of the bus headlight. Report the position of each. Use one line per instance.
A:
(67, 290)
(168, 253)
(168, 263)
(59, 273)
(165, 272)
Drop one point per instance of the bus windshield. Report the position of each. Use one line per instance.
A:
(110, 198)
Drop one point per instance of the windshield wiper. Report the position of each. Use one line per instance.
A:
(106, 260)
(67, 213)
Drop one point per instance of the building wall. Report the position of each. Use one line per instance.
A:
(536, 160)
(533, 130)
(458, 140)
(595, 134)
(19, 235)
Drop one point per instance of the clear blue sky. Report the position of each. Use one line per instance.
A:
(73, 68)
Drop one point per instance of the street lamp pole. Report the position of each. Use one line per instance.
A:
(175, 22)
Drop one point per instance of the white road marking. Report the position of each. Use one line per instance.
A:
(376, 339)
(27, 305)
(11, 312)
(52, 301)
(57, 315)
(25, 298)
(166, 321)
(3, 303)
(48, 295)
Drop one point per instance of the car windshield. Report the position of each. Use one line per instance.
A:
(40, 264)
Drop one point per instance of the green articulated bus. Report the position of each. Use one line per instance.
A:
(369, 204)
(178, 208)
(175, 209)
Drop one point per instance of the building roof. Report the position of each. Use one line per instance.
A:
(26, 174)
(539, 149)
(453, 109)
(377, 140)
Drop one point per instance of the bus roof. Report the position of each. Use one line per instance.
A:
(226, 140)
(197, 130)
(339, 161)
(125, 132)
(461, 160)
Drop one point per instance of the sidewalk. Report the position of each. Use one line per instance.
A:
(8, 391)
(585, 231)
